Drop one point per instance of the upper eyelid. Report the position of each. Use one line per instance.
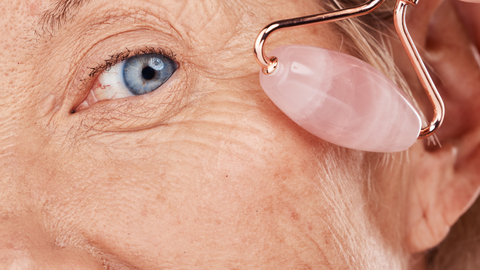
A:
(92, 61)
(105, 22)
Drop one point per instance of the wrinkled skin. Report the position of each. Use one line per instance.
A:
(203, 173)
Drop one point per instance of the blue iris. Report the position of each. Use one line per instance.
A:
(144, 73)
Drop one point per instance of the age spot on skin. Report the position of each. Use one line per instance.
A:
(294, 215)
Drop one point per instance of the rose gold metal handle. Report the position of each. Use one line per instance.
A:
(420, 69)
(269, 64)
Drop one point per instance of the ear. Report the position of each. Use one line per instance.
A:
(444, 181)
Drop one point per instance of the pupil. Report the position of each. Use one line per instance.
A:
(148, 73)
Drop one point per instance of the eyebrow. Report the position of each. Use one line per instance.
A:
(54, 18)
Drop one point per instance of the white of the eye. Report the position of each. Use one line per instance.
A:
(156, 63)
(111, 84)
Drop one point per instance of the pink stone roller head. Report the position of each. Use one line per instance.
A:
(340, 98)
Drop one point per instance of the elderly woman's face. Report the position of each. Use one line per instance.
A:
(204, 172)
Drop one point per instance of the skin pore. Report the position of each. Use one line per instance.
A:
(202, 173)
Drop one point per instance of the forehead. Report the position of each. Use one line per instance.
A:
(48, 16)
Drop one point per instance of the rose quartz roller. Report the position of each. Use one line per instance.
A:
(341, 99)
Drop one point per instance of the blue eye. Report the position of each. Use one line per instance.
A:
(144, 73)
(137, 75)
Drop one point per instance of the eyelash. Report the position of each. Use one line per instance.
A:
(119, 57)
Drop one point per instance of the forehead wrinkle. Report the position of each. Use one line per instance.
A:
(210, 23)
(62, 10)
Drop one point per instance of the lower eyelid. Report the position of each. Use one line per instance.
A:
(140, 112)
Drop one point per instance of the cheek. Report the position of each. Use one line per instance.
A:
(226, 180)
